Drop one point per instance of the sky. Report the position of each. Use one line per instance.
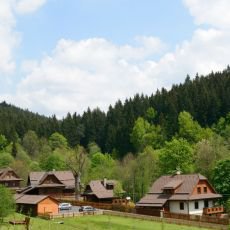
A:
(60, 56)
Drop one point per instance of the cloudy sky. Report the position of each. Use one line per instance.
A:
(59, 56)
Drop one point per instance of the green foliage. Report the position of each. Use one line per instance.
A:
(223, 126)
(190, 129)
(57, 140)
(207, 153)
(221, 177)
(227, 206)
(144, 134)
(31, 143)
(7, 202)
(151, 115)
(102, 165)
(177, 154)
(118, 190)
(53, 162)
(3, 142)
(145, 171)
(5, 159)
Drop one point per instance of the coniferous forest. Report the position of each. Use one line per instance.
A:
(135, 141)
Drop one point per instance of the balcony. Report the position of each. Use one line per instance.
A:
(213, 210)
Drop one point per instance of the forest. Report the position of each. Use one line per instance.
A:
(186, 128)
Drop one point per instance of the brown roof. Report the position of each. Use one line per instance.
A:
(8, 174)
(189, 182)
(156, 200)
(173, 184)
(183, 186)
(65, 177)
(31, 199)
(99, 190)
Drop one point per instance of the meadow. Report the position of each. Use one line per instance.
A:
(100, 222)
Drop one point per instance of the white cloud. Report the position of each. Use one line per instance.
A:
(93, 72)
(9, 38)
(211, 12)
(28, 6)
(96, 72)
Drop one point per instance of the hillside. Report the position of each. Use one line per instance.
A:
(206, 98)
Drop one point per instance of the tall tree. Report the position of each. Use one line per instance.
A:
(76, 161)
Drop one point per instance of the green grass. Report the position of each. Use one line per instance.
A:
(100, 222)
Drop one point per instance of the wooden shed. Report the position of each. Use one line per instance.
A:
(34, 205)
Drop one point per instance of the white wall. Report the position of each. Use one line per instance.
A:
(174, 206)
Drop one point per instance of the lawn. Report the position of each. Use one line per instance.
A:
(94, 222)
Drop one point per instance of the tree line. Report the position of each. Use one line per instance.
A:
(206, 98)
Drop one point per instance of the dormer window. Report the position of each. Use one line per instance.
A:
(205, 189)
(171, 186)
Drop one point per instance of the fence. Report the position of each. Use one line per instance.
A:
(169, 220)
(69, 214)
(204, 218)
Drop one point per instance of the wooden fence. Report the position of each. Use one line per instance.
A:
(169, 220)
(69, 214)
(203, 218)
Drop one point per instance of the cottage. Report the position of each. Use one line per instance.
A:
(184, 194)
(54, 183)
(10, 179)
(34, 205)
(100, 191)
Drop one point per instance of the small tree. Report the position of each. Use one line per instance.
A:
(118, 191)
(7, 204)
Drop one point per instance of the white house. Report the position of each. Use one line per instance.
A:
(185, 194)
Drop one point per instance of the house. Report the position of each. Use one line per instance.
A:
(34, 205)
(184, 194)
(100, 191)
(54, 183)
(10, 179)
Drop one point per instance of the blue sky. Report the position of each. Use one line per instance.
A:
(62, 56)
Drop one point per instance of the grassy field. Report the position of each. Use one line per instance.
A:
(94, 223)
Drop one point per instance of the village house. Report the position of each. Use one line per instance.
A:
(34, 205)
(10, 179)
(54, 183)
(100, 191)
(184, 194)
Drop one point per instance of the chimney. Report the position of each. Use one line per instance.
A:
(104, 181)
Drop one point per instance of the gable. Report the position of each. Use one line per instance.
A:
(64, 177)
(203, 187)
(9, 175)
(50, 179)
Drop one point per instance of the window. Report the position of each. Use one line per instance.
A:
(181, 206)
(205, 189)
(196, 205)
(198, 190)
(206, 203)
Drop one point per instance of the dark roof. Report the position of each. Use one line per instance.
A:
(156, 200)
(99, 190)
(173, 184)
(31, 199)
(183, 185)
(64, 177)
(189, 182)
(8, 174)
